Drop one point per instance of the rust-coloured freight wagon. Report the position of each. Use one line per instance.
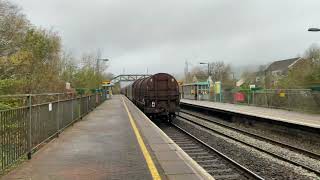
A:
(157, 95)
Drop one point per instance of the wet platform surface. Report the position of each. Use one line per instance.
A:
(310, 120)
(101, 146)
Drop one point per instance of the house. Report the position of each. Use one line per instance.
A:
(268, 77)
(240, 82)
(281, 68)
(275, 71)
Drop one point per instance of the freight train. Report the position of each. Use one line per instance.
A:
(157, 95)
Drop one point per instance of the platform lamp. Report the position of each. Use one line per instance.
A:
(98, 64)
(314, 29)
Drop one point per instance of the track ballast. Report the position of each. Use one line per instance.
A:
(213, 161)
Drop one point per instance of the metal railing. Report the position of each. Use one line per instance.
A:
(33, 119)
(303, 100)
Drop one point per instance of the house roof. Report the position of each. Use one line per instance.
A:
(281, 65)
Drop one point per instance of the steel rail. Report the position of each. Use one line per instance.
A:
(240, 167)
(266, 139)
(317, 172)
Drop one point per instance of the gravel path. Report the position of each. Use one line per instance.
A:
(261, 163)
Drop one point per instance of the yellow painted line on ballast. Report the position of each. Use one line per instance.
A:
(152, 168)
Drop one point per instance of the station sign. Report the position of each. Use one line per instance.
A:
(217, 87)
(252, 86)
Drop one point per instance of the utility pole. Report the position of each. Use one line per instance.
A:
(98, 63)
(186, 71)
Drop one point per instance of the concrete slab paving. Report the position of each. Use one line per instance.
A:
(169, 155)
(183, 177)
(102, 146)
(175, 167)
(162, 147)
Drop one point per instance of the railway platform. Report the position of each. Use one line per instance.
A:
(290, 117)
(115, 141)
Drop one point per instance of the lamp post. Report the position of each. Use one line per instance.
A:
(233, 80)
(209, 79)
(314, 29)
(208, 67)
(98, 63)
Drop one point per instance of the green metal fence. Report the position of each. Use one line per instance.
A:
(303, 100)
(36, 118)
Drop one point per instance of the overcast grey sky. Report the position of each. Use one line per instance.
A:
(160, 35)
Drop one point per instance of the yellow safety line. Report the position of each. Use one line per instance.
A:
(152, 168)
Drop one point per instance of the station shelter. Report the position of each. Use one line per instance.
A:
(196, 91)
(108, 87)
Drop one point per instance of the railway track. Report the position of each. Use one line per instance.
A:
(256, 136)
(213, 161)
(197, 119)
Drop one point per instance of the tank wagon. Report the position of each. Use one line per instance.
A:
(157, 95)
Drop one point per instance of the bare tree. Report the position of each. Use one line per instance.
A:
(199, 73)
(313, 52)
(220, 71)
(13, 26)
